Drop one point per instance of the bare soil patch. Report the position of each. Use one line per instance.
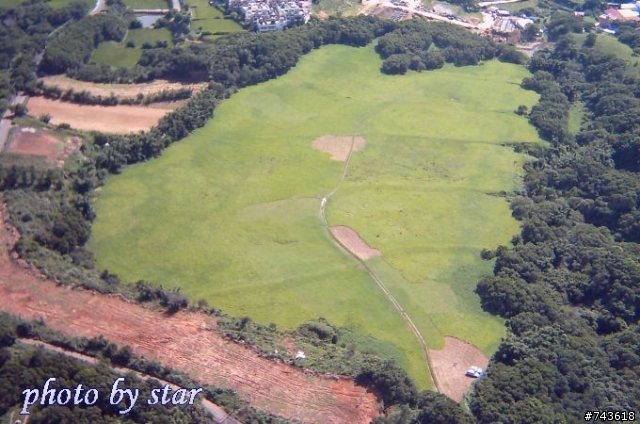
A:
(338, 146)
(111, 119)
(30, 141)
(451, 363)
(120, 90)
(352, 241)
(186, 341)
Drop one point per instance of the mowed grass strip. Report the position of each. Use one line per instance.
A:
(231, 214)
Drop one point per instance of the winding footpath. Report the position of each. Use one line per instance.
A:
(392, 299)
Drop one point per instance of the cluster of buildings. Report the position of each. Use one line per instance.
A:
(502, 26)
(624, 12)
(271, 15)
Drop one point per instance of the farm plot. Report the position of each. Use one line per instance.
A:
(231, 214)
(111, 119)
(41, 144)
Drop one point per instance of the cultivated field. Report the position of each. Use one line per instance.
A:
(231, 214)
(111, 119)
(119, 90)
(43, 144)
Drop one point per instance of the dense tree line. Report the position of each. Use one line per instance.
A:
(570, 285)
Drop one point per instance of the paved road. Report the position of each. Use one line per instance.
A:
(176, 5)
(219, 414)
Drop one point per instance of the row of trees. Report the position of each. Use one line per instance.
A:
(85, 97)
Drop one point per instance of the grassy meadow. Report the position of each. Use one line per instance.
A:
(209, 18)
(117, 54)
(231, 214)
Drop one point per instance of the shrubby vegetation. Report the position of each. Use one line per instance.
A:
(419, 45)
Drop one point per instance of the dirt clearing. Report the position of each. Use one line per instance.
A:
(110, 119)
(451, 363)
(185, 341)
(338, 146)
(30, 141)
(119, 90)
(352, 241)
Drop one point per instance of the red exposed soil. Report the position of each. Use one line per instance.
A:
(185, 341)
(352, 241)
(338, 146)
(451, 363)
(109, 119)
(29, 141)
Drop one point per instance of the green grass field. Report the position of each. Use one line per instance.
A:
(334, 7)
(231, 214)
(142, 35)
(209, 18)
(148, 4)
(115, 54)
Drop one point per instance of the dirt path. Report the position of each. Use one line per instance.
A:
(108, 119)
(220, 416)
(392, 299)
(188, 342)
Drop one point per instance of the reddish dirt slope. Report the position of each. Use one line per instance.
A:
(184, 341)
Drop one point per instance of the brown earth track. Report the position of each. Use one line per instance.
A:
(119, 90)
(185, 341)
(451, 363)
(109, 119)
(338, 147)
(354, 243)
